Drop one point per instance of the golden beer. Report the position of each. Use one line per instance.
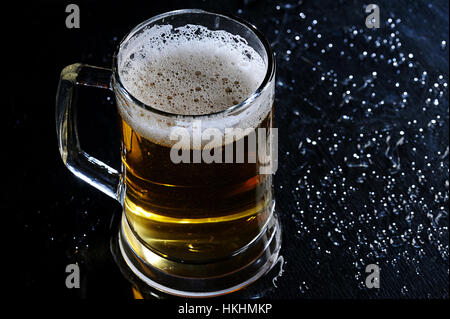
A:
(193, 212)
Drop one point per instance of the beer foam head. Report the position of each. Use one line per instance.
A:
(188, 70)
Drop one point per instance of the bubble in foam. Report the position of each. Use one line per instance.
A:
(190, 70)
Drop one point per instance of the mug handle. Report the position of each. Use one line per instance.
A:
(81, 164)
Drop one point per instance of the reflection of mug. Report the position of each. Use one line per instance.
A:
(200, 223)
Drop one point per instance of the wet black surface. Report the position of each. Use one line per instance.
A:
(363, 173)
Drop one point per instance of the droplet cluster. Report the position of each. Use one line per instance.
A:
(364, 162)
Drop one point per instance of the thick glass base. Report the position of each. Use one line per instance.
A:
(203, 279)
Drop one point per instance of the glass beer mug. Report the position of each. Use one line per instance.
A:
(195, 92)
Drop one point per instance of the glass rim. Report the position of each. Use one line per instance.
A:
(270, 71)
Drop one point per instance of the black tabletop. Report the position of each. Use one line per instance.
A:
(363, 121)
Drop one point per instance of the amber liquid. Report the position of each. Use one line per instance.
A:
(192, 212)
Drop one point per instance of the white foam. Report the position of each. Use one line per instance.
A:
(189, 70)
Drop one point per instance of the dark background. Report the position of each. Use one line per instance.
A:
(363, 174)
